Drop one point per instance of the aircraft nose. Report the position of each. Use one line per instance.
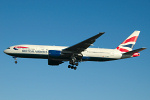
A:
(4, 51)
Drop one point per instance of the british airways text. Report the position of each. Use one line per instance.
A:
(34, 51)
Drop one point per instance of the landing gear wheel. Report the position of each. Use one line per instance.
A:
(76, 64)
(69, 66)
(73, 63)
(72, 67)
(75, 68)
(16, 62)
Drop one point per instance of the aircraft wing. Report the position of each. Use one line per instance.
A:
(78, 48)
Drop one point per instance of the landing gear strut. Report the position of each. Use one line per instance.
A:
(73, 63)
(15, 60)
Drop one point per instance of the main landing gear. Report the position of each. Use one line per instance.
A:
(15, 60)
(72, 67)
(73, 64)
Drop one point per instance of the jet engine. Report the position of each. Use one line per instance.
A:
(54, 53)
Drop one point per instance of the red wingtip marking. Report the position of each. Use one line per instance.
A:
(136, 54)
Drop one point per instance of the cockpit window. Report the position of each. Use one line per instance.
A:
(8, 48)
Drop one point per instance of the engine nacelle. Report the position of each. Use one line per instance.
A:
(54, 53)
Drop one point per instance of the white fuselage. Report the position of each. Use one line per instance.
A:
(79, 52)
(40, 51)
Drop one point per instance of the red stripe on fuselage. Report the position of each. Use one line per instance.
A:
(21, 47)
(132, 39)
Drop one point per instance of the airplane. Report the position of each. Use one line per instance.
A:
(77, 53)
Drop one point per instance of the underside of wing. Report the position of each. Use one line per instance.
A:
(78, 48)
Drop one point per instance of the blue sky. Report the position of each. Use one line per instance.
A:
(67, 22)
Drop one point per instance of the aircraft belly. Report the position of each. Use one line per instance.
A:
(29, 55)
(100, 56)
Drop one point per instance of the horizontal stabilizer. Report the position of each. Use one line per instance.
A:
(134, 51)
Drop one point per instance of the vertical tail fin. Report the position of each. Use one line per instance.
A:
(128, 44)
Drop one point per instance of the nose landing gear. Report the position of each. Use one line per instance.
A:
(15, 60)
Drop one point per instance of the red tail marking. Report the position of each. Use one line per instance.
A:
(132, 39)
(122, 50)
